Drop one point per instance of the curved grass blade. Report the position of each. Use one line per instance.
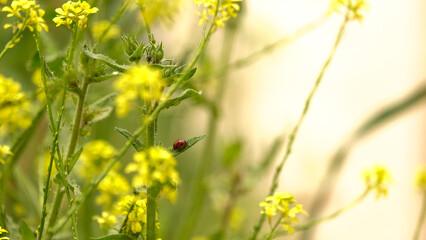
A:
(120, 236)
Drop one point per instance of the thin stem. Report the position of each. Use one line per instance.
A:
(117, 16)
(151, 204)
(274, 229)
(421, 219)
(295, 130)
(148, 29)
(76, 125)
(10, 44)
(333, 215)
(44, 80)
(256, 55)
(59, 194)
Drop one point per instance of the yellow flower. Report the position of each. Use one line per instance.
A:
(2, 231)
(4, 151)
(356, 8)
(227, 9)
(3, 1)
(378, 178)
(286, 206)
(94, 158)
(164, 10)
(74, 13)
(421, 178)
(14, 107)
(113, 186)
(135, 210)
(155, 165)
(141, 82)
(106, 221)
(99, 27)
(29, 13)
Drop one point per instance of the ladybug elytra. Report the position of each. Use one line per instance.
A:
(179, 144)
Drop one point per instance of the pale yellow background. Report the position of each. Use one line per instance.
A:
(378, 62)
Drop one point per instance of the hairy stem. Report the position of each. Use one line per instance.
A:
(295, 130)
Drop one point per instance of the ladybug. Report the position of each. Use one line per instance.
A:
(179, 144)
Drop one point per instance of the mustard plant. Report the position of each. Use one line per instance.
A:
(97, 137)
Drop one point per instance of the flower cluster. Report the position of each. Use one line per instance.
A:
(134, 209)
(355, 8)
(3, 231)
(94, 158)
(74, 13)
(163, 10)
(14, 106)
(4, 151)
(421, 178)
(155, 166)
(29, 13)
(113, 186)
(226, 10)
(141, 82)
(378, 178)
(286, 206)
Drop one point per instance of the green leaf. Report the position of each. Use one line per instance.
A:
(137, 145)
(100, 109)
(191, 142)
(232, 152)
(75, 157)
(119, 236)
(26, 232)
(185, 76)
(108, 61)
(188, 93)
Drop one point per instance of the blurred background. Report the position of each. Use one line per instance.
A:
(379, 62)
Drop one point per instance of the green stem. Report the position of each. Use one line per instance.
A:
(117, 16)
(10, 44)
(421, 219)
(76, 125)
(44, 80)
(286, 40)
(151, 204)
(59, 194)
(333, 215)
(274, 229)
(295, 130)
(148, 29)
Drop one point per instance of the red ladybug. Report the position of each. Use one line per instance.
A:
(179, 144)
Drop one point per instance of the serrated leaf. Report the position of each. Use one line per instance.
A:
(176, 101)
(191, 142)
(26, 232)
(120, 236)
(105, 59)
(137, 145)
